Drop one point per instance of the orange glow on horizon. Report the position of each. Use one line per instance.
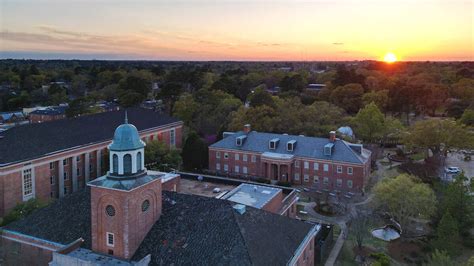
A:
(390, 58)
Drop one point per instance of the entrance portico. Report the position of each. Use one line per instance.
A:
(277, 167)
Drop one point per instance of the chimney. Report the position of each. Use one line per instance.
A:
(247, 128)
(332, 136)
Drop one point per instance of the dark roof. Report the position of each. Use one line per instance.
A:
(309, 147)
(57, 110)
(35, 140)
(192, 230)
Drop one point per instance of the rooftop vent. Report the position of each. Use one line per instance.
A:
(239, 208)
(273, 143)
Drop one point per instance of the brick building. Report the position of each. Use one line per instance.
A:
(126, 218)
(50, 160)
(319, 163)
(47, 114)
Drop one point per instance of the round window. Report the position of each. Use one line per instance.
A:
(110, 210)
(145, 205)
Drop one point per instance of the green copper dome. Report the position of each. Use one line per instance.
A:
(126, 138)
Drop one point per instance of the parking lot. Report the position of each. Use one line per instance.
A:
(457, 160)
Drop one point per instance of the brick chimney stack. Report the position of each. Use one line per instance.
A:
(247, 128)
(332, 136)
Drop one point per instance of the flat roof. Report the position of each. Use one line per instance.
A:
(252, 195)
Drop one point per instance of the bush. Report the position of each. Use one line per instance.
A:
(22, 210)
(284, 184)
(380, 259)
(262, 180)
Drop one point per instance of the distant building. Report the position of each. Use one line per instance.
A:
(51, 160)
(48, 114)
(315, 87)
(12, 117)
(126, 217)
(274, 90)
(319, 163)
(106, 106)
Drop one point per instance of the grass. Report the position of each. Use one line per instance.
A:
(418, 156)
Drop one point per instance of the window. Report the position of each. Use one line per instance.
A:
(237, 157)
(290, 145)
(115, 163)
(326, 181)
(139, 161)
(350, 170)
(51, 166)
(326, 167)
(316, 166)
(65, 176)
(244, 157)
(78, 158)
(316, 179)
(91, 155)
(306, 178)
(110, 210)
(27, 182)
(172, 137)
(254, 158)
(65, 162)
(110, 239)
(297, 164)
(237, 169)
(339, 169)
(218, 154)
(297, 177)
(145, 205)
(218, 166)
(226, 168)
(306, 165)
(226, 155)
(127, 164)
(349, 183)
(339, 182)
(51, 180)
(91, 168)
(244, 170)
(65, 191)
(239, 141)
(78, 171)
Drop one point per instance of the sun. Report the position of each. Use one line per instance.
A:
(390, 58)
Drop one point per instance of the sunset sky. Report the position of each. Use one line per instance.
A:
(237, 30)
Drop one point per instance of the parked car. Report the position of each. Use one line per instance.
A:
(453, 170)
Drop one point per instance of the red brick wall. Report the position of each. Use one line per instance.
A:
(358, 176)
(307, 256)
(37, 118)
(275, 204)
(130, 224)
(172, 184)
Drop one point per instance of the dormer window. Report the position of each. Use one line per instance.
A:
(328, 149)
(273, 144)
(290, 145)
(239, 141)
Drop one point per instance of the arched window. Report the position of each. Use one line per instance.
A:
(127, 164)
(139, 161)
(115, 164)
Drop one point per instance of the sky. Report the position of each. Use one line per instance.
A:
(435, 30)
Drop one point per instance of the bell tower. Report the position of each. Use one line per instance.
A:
(126, 202)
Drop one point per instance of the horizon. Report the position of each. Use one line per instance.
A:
(203, 30)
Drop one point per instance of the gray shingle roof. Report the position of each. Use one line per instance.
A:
(309, 147)
(192, 230)
(35, 140)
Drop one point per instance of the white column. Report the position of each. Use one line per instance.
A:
(74, 173)
(86, 167)
(143, 159)
(111, 162)
(120, 163)
(134, 162)
(61, 178)
(99, 160)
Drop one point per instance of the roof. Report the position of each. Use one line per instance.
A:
(252, 195)
(124, 183)
(126, 138)
(308, 147)
(56, 110)
(31, 141)
(8, 115)
(191, 230)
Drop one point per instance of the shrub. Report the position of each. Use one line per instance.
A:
(284, 184)
(23, 209)
(262, 180)
(380, 259)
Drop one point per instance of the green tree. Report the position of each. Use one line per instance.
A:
(133, 90)
(155, 152)
(447, 235)
(438, 136)
(186, 109)
(369, 123)
(348, 97)
(467, 117)
(77, 107)
(260, 97)
(293, 83)
(195, 153)
(439, 258)
(405, 198)
(173, 160)
(380, 98)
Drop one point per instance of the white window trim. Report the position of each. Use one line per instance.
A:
(32, 174)
(172, 137)
(218, 154)
(351, 170)
(306, 164)
(326, 167)
(245, 170)
(297, 177)
(306, 178)
(339, 169)
(226, 155)
(237, 169)
(254, 158)
(244, 157)
(351, 182)
(237, 157)
(218, 166)
(316, 166)
(338, 182)
(107, 239)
